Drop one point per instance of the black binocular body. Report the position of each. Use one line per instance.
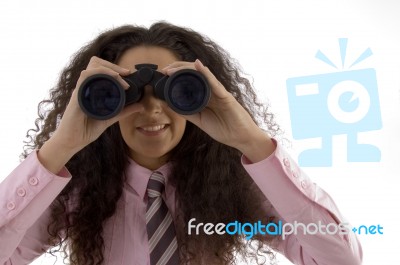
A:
(102, 97)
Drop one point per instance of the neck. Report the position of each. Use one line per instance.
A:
(151, 163)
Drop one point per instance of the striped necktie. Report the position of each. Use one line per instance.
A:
(160, 226)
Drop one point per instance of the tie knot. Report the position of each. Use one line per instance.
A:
(156, 185)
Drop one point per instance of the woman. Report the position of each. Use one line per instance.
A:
(82, 186)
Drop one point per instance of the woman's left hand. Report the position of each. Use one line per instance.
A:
(224, 119)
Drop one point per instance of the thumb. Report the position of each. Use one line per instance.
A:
(126, 111)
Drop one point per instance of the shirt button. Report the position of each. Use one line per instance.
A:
(286, 162)
(11, 206)
(303, 184)
(295, 175)
(21, 192)
(33, 181)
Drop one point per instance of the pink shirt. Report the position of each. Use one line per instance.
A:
(28, 191)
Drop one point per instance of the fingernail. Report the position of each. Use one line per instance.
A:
(170, 71)
(166, 67)
(198, 61)
(126, 85)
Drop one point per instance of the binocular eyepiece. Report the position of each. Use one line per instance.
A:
(102, 97)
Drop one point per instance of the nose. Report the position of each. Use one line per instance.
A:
(151, 103)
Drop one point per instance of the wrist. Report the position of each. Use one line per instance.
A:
(54, 154)
(258, 147)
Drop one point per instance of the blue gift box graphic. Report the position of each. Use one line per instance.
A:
(345, 102)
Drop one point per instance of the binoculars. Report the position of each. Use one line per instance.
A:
(102, 97)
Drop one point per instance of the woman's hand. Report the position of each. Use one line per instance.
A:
(224, 119)
(76, 129)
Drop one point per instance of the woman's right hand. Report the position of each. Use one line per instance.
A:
(76, 129)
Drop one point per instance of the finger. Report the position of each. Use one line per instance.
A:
(216, 86)
(128, 110)
(104, 70)
(172, 71)
(193, 118)
(177, 65)
(96, 62)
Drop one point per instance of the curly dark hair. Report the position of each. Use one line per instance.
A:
(211, 184)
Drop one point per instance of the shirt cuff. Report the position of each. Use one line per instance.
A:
(28, 191)
(287, 187)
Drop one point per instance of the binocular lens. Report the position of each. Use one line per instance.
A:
(187, 93)
(101, 97)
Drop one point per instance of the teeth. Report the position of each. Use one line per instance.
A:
(153, 128)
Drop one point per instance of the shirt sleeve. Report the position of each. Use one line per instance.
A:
(296, 199)
(25, 196)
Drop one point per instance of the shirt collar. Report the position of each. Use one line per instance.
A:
(137, 176)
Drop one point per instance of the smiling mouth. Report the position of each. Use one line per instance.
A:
(153, 129)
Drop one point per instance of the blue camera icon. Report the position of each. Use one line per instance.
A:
(330, 104)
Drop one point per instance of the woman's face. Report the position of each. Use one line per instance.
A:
(154, 132)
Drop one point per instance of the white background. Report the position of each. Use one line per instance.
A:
(273, 41)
